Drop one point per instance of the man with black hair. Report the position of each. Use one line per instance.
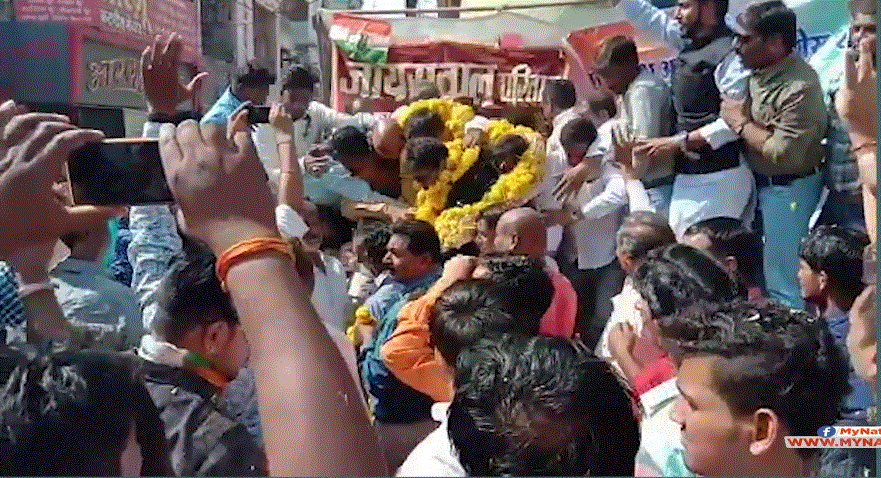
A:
(426, 158)
(313, 120)
(647, 101)
(531, 406)
(748, 376)
(410, 352)
(558, 106)
(252, 85)
(734, 246)
(830, 269)
(78, 413)
(424, 124)
(195, 353)
(403, 414)
(704, 149)
(831, 259)
(782, 127)
(350, 160)
(590, 220)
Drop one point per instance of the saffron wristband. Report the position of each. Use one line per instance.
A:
(247, 249)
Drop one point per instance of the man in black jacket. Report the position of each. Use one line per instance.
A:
(200, 348)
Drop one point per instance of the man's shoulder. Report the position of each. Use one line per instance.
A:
(204, 440)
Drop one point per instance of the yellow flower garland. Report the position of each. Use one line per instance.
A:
(455, 115)
(456, 226)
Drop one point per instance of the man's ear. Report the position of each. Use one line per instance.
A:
(766, 428)
(215, 336)
(823, 280)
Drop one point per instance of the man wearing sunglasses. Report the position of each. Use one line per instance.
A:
(782, 122)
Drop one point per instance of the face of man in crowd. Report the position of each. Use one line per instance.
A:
(404, 264)
(809, 280)
(575, 152)
(862, 27)
(427, 177)
(716, 443)
(860, 342)
(753, 49)
(485, 237)
(297, 101)
(688, 14)
(226, 348)
(616, 77)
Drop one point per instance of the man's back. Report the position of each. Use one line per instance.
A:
(202, 440)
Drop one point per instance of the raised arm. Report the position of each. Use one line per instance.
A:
(651, 22)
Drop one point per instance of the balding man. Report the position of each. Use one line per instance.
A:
(522, 231)
(385, 175)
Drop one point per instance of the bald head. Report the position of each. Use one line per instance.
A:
(522, 231)
(387, 139)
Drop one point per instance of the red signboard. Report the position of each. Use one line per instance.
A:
(139, 20)
(489, 76)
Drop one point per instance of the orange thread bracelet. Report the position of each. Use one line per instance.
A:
(249, 248)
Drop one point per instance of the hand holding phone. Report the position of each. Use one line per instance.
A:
(120, 171)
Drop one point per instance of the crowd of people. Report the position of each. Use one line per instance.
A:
(663, 279)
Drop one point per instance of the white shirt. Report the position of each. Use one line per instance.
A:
(330, 295)
(309, 130)
(435, 455)
(601, 203)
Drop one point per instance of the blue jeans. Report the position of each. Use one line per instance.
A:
(786, 212)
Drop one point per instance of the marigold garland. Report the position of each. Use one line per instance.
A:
(455, 115)
(456, 225)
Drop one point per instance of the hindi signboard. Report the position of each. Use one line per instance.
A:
(136, 19)
(489, 76)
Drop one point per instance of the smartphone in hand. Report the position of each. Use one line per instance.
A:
(118, 171)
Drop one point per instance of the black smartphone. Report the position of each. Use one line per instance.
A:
(119, 171)
(258, 114)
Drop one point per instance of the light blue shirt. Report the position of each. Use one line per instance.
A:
(222, 108)
(88, 296)
(336, 184)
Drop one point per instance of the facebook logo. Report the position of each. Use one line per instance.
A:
(826, 431)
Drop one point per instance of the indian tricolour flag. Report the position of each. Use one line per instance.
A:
(361, 39)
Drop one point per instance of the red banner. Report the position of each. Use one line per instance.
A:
(139, 20)
(491, 77)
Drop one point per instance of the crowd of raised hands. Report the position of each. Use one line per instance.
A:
(307, 399)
